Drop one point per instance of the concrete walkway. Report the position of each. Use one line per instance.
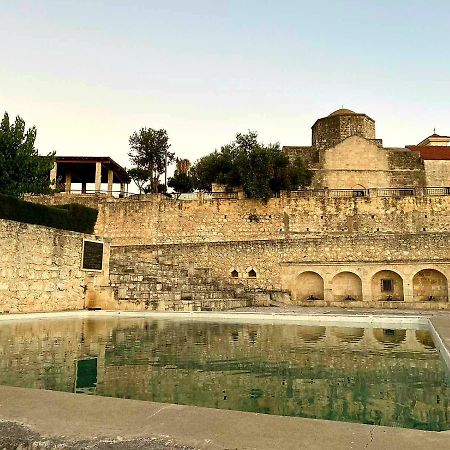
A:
(68, 419)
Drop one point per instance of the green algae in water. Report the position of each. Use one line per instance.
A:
(374, 376)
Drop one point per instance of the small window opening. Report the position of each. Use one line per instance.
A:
(251, 273)
(225, 216)
(378, 229)
(270, 216)
(373, 217)
(426, 216)
(234, 274)
(321, 217)
(307, 229)
(387, 285)
(424, 229)
(388, 332)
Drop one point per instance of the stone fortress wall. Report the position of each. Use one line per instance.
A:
(155, 219)
(42, 269)
(315, 250)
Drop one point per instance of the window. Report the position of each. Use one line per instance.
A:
(387, 285)
(252, 273)
(234, 274)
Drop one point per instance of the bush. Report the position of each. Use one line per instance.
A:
(72, 217)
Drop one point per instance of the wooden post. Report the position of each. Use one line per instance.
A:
(68, 182)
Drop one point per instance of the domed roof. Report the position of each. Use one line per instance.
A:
(342, 112)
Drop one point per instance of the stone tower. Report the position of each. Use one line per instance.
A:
(339, 125)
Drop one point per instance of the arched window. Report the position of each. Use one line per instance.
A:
(234, 273)
(252, 273)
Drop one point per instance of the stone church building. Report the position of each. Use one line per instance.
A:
(346, 154)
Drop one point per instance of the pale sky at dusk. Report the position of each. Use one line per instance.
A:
(89, 73)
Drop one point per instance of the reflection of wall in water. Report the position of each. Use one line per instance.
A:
(306, 367)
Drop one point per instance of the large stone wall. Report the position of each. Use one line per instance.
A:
(41, 269)
(303, 266)
(437, 172)
(159, 220)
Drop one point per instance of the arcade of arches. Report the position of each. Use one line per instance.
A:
(385, 285)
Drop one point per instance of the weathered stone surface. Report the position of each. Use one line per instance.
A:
(41, 269)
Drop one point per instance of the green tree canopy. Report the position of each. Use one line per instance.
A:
(22, 170)
(140, 176)
(149, 150)
(262, 171)
(181, 182)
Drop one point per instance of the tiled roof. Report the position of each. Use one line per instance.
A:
(432, 152)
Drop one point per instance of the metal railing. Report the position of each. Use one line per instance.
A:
(395, 192)
(304, 193)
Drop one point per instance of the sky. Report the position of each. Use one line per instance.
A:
(89, 73)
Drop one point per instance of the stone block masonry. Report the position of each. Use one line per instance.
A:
(155, 219)
(41, 270)
(385, 271)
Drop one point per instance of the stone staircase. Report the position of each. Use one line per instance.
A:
(153, 281)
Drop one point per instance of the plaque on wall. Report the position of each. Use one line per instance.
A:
(92, 255)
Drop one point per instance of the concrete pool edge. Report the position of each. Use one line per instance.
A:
(76, 417)
(86, 417)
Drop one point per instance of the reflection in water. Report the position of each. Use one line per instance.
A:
(388, 336)
(380, 376)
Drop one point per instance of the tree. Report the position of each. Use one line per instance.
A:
(181, 183)
(149, 150)
(140, 176)
(22, 169)
(262, 171)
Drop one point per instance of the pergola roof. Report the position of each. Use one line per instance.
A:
(82, 169)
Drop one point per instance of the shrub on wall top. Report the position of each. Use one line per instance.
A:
(72, 217)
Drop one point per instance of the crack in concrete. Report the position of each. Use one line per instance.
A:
(371, 436)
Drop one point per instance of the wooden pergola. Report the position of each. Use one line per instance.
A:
(89, 169)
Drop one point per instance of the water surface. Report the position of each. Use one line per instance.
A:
(375, 376)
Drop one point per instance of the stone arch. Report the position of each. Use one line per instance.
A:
(425, 338)
(346, 286)
(348, 334)
(309, 333)
(430, 285)
(309, 286)
(388, 336)
(387, 285)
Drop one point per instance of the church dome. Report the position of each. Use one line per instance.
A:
(342, 112)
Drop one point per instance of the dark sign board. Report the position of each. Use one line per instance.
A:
(93, 255)
(86, 374)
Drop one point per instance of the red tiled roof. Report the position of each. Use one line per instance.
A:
(432, 152)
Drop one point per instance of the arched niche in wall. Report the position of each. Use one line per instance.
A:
(387, 285)
(346, 286)
(425, 338)
(309, 286)
(251, 272)
(388, 336)
(234, 273)
(311, 333)
(348, 334)
(430, 285)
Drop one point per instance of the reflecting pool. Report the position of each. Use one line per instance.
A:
(375, 376)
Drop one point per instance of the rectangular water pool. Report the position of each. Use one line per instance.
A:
(379, 376)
